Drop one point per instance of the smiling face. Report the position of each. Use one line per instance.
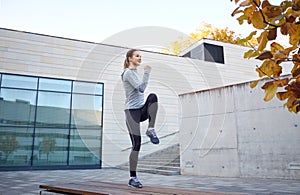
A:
(136, 59)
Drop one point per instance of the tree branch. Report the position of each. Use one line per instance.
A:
(264, 19)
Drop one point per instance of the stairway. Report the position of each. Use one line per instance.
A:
(163, 162)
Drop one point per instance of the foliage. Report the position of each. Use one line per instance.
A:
(48, 145)
(207, 31)
(270, 20)
(8, 143)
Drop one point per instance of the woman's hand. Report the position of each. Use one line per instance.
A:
(147, 67)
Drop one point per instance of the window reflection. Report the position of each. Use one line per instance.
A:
(55, 85)
(87, 88)
(53, 110)
(15, 146)
(17, 107)
(85, 146)
(51, 146)
(16, 81)
(86, 111)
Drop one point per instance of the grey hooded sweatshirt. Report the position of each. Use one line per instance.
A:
(134, 88)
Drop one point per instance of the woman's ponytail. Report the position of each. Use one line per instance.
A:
(126, 64)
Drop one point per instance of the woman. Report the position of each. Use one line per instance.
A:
(136, 110)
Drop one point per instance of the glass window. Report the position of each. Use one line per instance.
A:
(55, 85)
(53, 110)
(50, 146)
(85, 147)
(15, 146)
(15, 81)
(87, 88)
(17, 107)
(213, 53)
(86, 111)
(64, 126)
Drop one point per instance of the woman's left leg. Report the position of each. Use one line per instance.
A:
(149, 111)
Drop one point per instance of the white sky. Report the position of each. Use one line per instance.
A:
(96, 20)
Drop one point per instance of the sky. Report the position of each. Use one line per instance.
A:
(97, 20)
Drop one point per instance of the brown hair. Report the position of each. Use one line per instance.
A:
(129, 54)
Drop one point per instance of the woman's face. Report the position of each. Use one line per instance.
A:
(136, 58)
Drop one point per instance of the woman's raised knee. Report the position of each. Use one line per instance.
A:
(152, 97)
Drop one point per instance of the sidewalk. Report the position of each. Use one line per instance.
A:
(27, 182)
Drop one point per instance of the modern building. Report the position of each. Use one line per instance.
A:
(61, 100)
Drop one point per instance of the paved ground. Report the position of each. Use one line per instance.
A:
(27, 182)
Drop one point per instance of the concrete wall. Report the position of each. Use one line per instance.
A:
(231, 132)
(40, 55)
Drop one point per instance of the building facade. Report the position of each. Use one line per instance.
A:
(61, 100)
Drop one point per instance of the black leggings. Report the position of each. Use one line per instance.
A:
(133, 119)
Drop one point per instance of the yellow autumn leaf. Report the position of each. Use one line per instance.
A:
(254, 84)
(276, 46)
(257, 20)
(263, 40)
(249, 10)
(271, 11)
(284, 29)
(248, 54)
(289, 49)
(246, 3)
(270, 92)
(265, 3)
(295, 108)
(295, 13)
(257, 2)
(242, 18)
(295, 34)
(281, 82)
(296, 69)
(296, 73)
(285, 5)
(282, 95)
(279, 55)
(269, 68)
(296, 5)
(290, 102)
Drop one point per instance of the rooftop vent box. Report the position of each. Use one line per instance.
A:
(207, 52)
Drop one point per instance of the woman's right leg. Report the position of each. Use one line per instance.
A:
(133, 125)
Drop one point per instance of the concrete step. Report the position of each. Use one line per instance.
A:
(170, 168)
(159, 171)
(165, 162)
(155, 171)
(158, 161)
(157, 164)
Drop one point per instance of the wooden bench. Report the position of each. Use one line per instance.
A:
(103, 188)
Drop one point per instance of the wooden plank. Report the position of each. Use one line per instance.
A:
(104, 188)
